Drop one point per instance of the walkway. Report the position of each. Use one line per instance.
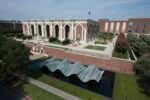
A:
(106, 53)
(110, 47)
(53, 90)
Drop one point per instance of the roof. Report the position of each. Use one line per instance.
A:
(47, 20)
(67, 68)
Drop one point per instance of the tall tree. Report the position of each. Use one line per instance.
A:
(142, 66)
(14, 56)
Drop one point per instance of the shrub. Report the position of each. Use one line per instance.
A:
(19, 35)
(120, 55)
(66, 41)
(142, 66)
(24, 37)
(122, 45)
(29, 37)
(52, 39)
(140, 45)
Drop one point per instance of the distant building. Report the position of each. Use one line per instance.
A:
(133, 25)
(10, 26)
(82, 30)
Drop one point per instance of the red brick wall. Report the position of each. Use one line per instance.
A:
(141, 22)
(102, 25)
(112, 64)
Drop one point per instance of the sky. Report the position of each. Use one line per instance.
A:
(73, 9)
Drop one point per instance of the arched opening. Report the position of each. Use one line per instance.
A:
(47, 30)
(45, 70)
(42, 51)
(79, 32)
(56, 31)
(32, 30)
(40, 30)
(67, 29)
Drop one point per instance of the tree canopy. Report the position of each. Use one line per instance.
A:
(142, 66)
(140, 45)
(121, 44)
(14, 56)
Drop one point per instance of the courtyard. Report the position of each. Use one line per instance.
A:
(90, 47)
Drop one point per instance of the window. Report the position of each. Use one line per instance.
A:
(129, 30)
(137, 24)
(136, 30)
(143, 31)
(145, 24)
(130, 24)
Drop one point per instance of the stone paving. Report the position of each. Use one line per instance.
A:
(106, 53)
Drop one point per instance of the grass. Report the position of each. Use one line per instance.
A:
(56, 42)
(57, 47)
(37, 93)
(69, 88)
(95, 47)
(120, 55)
(127, 88)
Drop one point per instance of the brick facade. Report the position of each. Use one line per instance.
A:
(111, 64)
(133, 25)
(10, 26)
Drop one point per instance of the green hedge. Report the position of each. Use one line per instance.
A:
(52, 39)
(65, 42)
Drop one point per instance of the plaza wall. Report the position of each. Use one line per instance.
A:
(111, 64)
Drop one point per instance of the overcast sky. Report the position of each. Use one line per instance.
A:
(73, 9)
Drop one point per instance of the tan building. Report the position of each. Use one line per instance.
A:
(83, 30)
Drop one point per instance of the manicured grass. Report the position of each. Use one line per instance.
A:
(120, 55)
(72, 89)
(57, 47)
(95, 47)
(37, 93)
(56, 42)
(127, 88)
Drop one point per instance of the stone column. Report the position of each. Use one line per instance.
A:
(75, 32)
(42, 28)
(85, 34)
(35, 31)
(51, 29)
(60, 31)
(23, 28)
(71, 30)
(28, 27)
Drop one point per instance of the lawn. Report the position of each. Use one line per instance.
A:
(120, 55)
(102, 48)
(127, 88)
(56, 42)
(69, 88)
(104, 38)
(57, 47)
(36, 93)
